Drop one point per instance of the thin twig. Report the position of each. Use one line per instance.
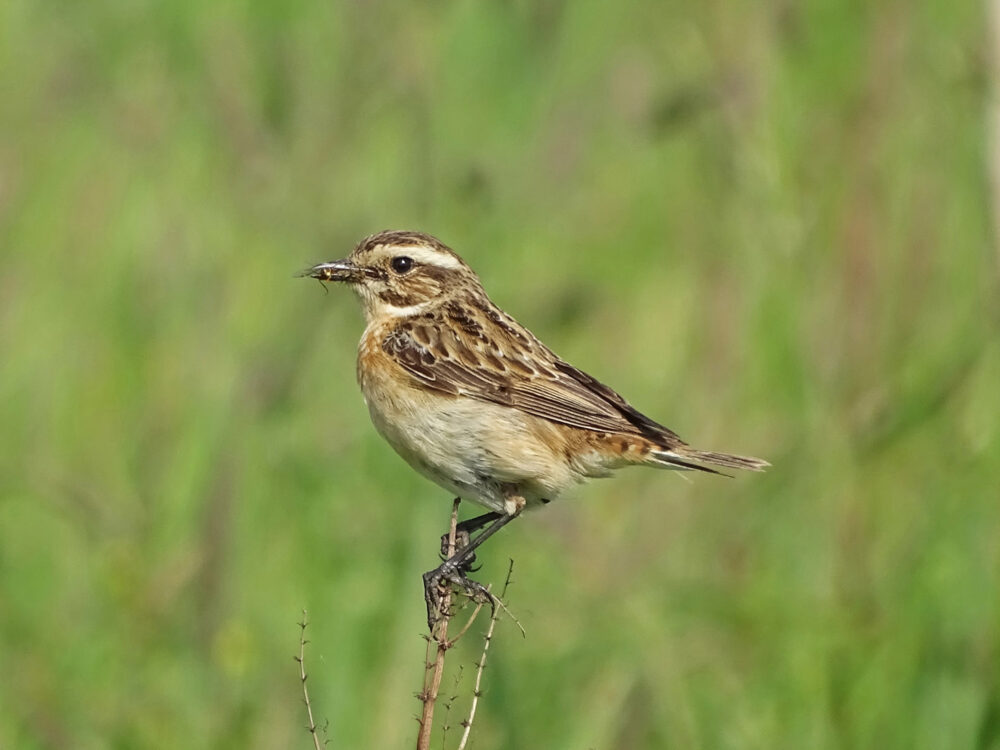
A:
(430, 692)
(301, 659)
(476, 691)
(447, 710)
(503, 607)
(472, 619)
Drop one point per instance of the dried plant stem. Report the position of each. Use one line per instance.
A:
(440, 636)
(488, 638)
(301, 659)
(472, 619)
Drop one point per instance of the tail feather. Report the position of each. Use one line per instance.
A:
(747, 463)
(688, 459)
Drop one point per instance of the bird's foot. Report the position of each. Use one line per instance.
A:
(451, 576)
(462, 539)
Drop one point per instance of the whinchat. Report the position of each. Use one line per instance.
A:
(472, 400)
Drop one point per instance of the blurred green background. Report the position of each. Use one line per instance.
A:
(767, 224)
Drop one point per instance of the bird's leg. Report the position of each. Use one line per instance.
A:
(463, 535)
(453, 570)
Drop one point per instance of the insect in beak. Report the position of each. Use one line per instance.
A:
(337, 270)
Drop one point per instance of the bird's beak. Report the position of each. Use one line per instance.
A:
(336, 270)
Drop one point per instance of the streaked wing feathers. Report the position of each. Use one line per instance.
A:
(516, 371)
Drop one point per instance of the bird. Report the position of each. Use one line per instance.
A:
(475, 402)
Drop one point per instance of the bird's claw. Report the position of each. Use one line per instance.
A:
(449, 574)
(462, 538)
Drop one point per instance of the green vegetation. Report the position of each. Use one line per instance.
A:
(766, 224)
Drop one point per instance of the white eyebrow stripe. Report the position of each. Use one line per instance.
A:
(428, 256)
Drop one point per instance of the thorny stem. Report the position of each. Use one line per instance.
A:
(301, 659)
(440, 636)
(482, 663)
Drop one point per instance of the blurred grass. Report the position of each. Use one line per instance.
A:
(767, 224)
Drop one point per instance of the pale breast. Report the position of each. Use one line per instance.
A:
(470, 447)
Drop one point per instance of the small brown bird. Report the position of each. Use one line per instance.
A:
(473, 401)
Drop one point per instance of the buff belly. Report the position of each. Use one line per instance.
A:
(481, 451)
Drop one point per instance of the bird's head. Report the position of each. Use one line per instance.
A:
(399, 273)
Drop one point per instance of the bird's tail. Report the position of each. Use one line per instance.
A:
(689, 459)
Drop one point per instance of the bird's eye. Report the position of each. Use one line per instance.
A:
(401, 263)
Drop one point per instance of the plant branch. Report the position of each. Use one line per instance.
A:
(439, 636)
(301, 659)
(477, 690)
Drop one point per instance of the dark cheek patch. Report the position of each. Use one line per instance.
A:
(435, 276)
(396, 298)
(408, 291)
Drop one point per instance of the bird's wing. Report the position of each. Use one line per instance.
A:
(493, 363)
